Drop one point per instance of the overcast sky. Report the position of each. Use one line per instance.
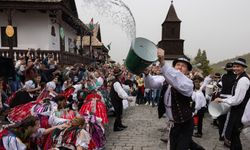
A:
(221, 27)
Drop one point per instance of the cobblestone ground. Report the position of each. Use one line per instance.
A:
(143, 134)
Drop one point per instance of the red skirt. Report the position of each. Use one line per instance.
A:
(20, 112)
(68, 92)
(101, 110)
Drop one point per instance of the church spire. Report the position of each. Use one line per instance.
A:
(172, 16)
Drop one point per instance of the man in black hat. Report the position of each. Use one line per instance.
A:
(226, 84)
(175, 99)
(238, 101)
(117, 94)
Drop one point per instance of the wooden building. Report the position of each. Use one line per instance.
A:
(171, 41)
(47, 26)
(93, 45)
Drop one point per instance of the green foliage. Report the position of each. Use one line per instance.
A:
(197, 59)
(201, 62)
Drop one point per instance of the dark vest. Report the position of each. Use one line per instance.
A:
(161, 105)
(228, 81)
(113, 94)
(180, 104)
(241, 107)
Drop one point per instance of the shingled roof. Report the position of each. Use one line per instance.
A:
(94, 39)
(172, 16)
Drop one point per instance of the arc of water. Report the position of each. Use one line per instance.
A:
(118, 12)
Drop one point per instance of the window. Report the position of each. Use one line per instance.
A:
(71, 45)
(5, 38)
(53, 32)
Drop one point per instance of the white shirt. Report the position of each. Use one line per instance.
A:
(240, 92)
(174, 78)
(199, 99)
(13, 143)
(246, 115)
(120, 91)
(206, 81)
(83, 139)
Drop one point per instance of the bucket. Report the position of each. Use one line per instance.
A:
(142, 53)
(216, 109)
(246, 132)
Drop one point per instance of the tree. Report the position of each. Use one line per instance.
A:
(201, 62)
(197, 59)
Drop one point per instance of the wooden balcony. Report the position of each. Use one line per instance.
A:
(63, 58)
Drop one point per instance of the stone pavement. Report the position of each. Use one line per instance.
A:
(143, 134)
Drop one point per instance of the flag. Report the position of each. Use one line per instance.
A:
(91, 24)
(109, 46)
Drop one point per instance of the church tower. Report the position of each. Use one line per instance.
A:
(171, 42)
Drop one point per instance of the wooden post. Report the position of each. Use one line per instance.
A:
(10, 39)
(90, 46)
(81, 48)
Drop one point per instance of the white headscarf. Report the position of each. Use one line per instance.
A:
(51, 85)
(29, 85)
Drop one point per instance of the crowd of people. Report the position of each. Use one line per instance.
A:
(49, 106)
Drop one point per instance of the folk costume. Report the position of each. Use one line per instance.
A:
(227, 82)
(200, 108)
(175, 101)
(94, 105)
(117, 94)
(238, 101)
(20, 112)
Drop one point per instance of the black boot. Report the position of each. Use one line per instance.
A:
(198, 135)
(221, 138)
(117, 124)
(118, 129)
(123, 126)
(195, 146)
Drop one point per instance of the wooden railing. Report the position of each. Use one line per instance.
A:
(69, 58)
(63, 58)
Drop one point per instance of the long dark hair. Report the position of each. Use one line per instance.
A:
(19, 128)
(58, 99)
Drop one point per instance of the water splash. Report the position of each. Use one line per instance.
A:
(116, 11)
